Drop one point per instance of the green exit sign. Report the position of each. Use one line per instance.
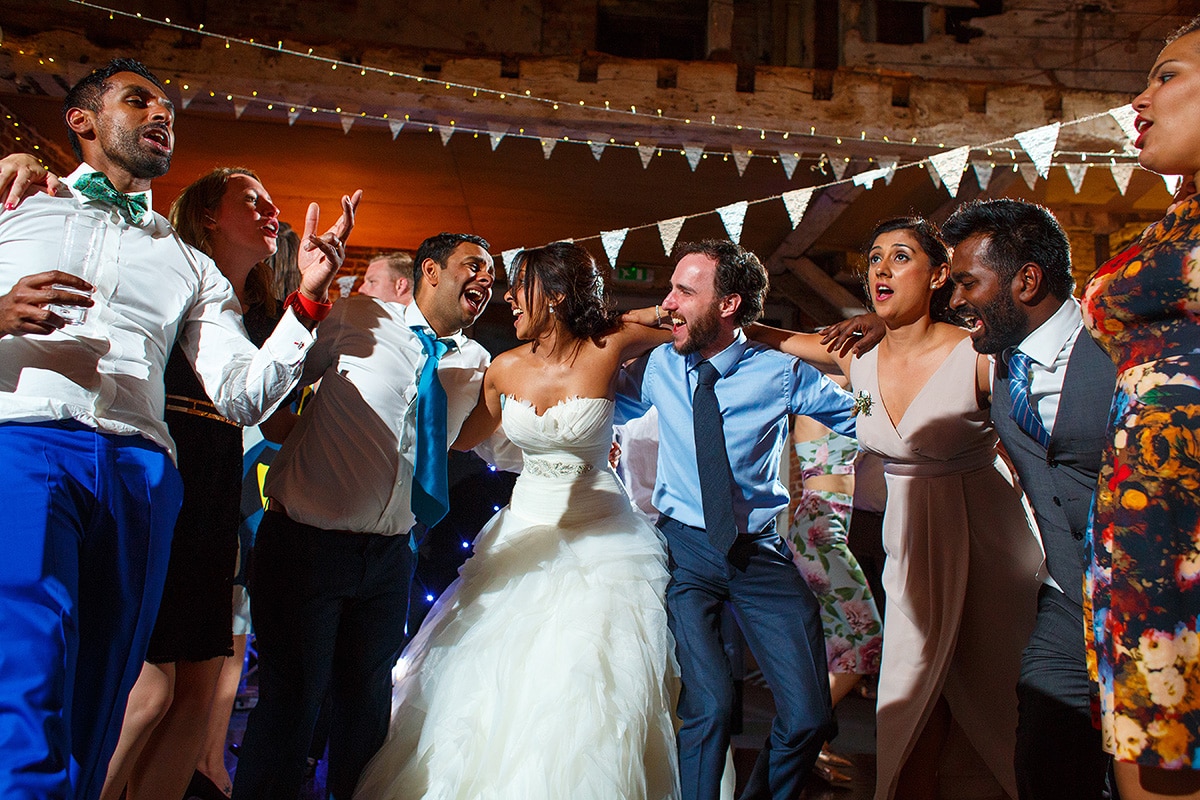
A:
(638, 274)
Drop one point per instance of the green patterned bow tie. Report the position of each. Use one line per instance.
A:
(97, 186)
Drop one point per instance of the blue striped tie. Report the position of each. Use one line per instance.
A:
(430, 490)
(1023, 412)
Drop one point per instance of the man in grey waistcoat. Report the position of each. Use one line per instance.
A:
(1051, 391)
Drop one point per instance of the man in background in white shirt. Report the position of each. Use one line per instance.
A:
(90, 491)
(332, 565)
(1012, 276)
(390, 278)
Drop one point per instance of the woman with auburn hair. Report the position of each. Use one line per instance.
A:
(1142, 590)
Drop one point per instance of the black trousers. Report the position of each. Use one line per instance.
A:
(1059, 755)
(329, 614)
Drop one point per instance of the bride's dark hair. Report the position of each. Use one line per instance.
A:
(567, 271)
(929, 239)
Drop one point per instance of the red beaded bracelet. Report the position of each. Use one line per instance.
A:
(308, 308)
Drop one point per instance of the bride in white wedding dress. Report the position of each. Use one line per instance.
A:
(547, 670)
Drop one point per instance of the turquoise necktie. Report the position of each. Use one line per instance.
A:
(1023, 412)
(97, 186)
(430, 491)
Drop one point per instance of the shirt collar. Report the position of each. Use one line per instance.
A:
(1048, 340)
(150, 220)
(723, 360)
(413, 318)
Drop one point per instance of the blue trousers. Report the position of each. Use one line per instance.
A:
(330, 609)
(89, 521)
(780, 620)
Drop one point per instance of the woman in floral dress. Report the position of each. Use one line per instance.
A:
(1143, 307)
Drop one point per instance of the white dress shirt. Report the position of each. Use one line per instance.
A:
(1049, 349)
(108, 372)
(348, 465)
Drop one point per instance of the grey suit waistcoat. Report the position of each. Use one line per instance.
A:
(1060, 480)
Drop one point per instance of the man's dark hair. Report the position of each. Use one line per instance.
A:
(738, 272)
(1017, 233)
(439, 248)
(88, 93)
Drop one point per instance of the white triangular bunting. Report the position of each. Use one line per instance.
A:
(867, 179)
(547, 145)
(933, 174)
(612, 241)
(741, 158)
(890, 166)
(839, 167)
(396, 126)
(1075, 173)
(646, 152)
(950, 166)
(796, 203)
(1030, 174)
(597, 147)
(693, 153)
(187, 95)
(347, 122)
(293, 115)
(1121, 174)
(445, 131)
(507, 257)
(239, 108)
(668, 231)
(983, 173)
(1173, 182)
(732, 217)
(789, 161)
(496, 133)
(1039, 143)
(1125, 116)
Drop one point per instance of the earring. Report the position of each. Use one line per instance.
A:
(552, 308)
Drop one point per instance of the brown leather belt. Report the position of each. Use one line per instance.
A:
(197, 408)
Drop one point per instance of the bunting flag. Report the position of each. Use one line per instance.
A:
(293, 115)
(646, 152)
(612, 241)
(789, 161)
(1039, 143)
(1030, 173)
(890, 166)
(693, 153)
(796, 203)
(933, 174)
(496, 133)
(187, 95)
(949, 167)
(983, 173)
(347, 122)
(597, 146)
(732, 216)
(867, 179)
(741, 158)
(507, 257)
(1125, 117)
(1121, 174)
(668, 231)
(1173, 182)
(396, 126)
(1075, 173)
(547, 145)
(445, 131)
(346, 284)
(239, 108)
(839, 166)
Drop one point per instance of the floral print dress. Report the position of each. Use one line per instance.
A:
(1142, 590)
(817, 537)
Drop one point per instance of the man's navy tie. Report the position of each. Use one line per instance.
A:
(712, 460)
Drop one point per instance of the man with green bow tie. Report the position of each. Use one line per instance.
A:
(91, 493)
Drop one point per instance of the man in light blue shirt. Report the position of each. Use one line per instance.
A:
(736, 556)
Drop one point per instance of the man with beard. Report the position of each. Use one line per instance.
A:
(331, 569)
(723, 407)
(1011, 269)
(90, 491)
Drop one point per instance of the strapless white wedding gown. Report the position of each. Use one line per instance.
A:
(546, 671)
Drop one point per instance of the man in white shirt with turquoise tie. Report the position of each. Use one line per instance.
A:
(91, 491)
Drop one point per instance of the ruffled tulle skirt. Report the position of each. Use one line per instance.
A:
(547, 669)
